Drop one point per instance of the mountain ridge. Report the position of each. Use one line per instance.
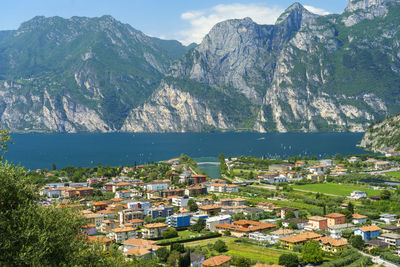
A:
(305, 73)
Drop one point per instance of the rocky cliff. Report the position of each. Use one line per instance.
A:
(384, 136)
(304, 73)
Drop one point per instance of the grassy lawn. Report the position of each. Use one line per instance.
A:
(183, 235)
(393, 174)
(336, 189)
(253, 252)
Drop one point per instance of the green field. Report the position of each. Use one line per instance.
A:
(336, 189)
(253, 252)
(393, 174)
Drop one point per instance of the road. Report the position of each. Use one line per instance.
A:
(378, 260)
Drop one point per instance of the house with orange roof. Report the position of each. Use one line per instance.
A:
(108, 225)
(359, 219)
(106, 242)
(136, 222)
(89, 229)
(332, 245)
(108, 213)
(220, 261)
(121, 186)
(141, 253)
(154, 230)
(94, 218)
(224, 188)
(84, 192)
(100, 205)
(317, 223)
(290, 242)
(122, 234)
(243, 228)
(335, 218)
(211, 210)
(368, 232)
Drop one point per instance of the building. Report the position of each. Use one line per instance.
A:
(214, 221)
(220, 261)
(198, 179)
(332, 245)
(180, 201)
(105, 242)
(84, 192)
(243, 228)
(390, 238)
(94, 218)
(285, 210)
(335, 218)
(290, 242)
(100, 205)
(276, 180)
(224, 188)
(196, 260)
(358, 195)
(153, 230)
(326, 162)
(359, 219)
(204, 201)
(108, 225)
(172, 192)
(317, 223)
(318, 169)
(122, 234)
(160, 212)
(157, 186)
(280, 167)
(144, 205)
(211, 210)
(368, 232)
(195, 190)
(130, 214)
(300, 223)
(178, 220)
(121, 186)
(137, 243)
(388, 218)
(124, 194)
(278, 234)
(260, 237)
(379, 165)
(337, 229)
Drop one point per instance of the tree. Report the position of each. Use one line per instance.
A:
(162, 254)
(279, 224)
(198, 226)
(312, 253)
(193, 205)
(289, 215)
(289, 260)
(357, 242)
(184, 261)
(227, 232)
(242, 262)
(4, 139)
(350, 207)
(41, 236)
(53, 166)
(385, 194)
(178, 247)
(292, 226)
(220, 246)
(170, 233)
(174, 258)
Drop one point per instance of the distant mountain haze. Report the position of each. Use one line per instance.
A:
(306, 73)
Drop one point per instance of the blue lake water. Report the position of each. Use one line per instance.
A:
(87, 149)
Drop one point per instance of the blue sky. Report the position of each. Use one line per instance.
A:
(184, 20)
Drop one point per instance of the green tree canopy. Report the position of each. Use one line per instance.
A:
(312, 253)
(289, 260)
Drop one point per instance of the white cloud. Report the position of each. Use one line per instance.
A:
(201, 21)
(317, 10)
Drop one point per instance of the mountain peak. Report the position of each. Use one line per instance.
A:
(295, 13)
(367, 4)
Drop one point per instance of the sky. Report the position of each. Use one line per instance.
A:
(184, 20)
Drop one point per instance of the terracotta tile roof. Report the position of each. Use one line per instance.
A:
(216, 261)
(123, 184)
(116, 199)
(92, 215)
(317, 218)
(219, 185)
(155, 225)
(332, 241)
(98, 239)
(89, 225)
(141, 251)
(252, 226)
(283, 232)
(124, 229)
(210, 207)
(370, 228)
(335, 215)
(100, 203)
(301, 237)
(358, 216)
(139, 242)
(136, 221)
(107, 212)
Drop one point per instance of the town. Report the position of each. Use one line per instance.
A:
(341, 211)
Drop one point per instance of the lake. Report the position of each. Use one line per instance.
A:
(88, 149)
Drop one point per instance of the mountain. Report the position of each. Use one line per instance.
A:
(384, 136)
(78, 74)
(305, 73)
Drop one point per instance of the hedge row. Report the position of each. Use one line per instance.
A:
(206, 236)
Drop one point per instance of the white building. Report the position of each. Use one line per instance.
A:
(122, 234)
(358, 195)
(388, 218)
(144, 205)
(260, 237)
(326, 162)
(336, 230)
(157, 186)
(213, 221)
(180, 201)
